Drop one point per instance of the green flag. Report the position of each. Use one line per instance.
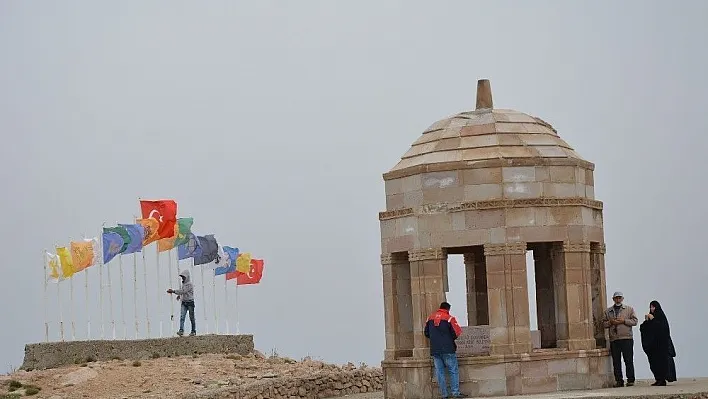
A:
(122, 232)
(184, 229)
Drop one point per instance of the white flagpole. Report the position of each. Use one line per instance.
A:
(213, 295)
(122, 296)
(159, 296)
(86, 292)
(61, 317)
(145, 279)
(206, 323)
(88, 316)
(226, 302)
(46, 299)
(100, 285)
(135, 293)
(172, 303)
(110, 303)
(71, 307)
(71, 298)
(236, 303)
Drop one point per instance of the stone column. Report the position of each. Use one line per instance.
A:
(476, 279)
(428, 270)
(545, 296)
(397, 306)
(599, 292)
(578, 295)
(507, 292)
(559, 295)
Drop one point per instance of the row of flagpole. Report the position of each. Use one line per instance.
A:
(160, 293)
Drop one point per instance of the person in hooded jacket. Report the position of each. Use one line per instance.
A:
(657, 344)
(186, 296)
(442, 330)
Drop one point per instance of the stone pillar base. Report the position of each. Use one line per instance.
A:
(581, 344)
(392, 354)
(421, 353)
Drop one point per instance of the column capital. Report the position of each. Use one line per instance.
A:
(600, 248)
(394, 258)
(577, 246)
(512, 248)
(427, 254)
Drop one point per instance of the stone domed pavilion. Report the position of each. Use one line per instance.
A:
(492, 184)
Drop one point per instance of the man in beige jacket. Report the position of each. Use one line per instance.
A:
(619, 319)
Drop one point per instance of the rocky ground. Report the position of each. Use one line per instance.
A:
(165, 377)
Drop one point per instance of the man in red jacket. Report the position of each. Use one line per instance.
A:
(442, 330)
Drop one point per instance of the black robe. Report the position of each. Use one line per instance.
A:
(657, 344)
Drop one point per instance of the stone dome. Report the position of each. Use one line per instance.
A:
(486, 134)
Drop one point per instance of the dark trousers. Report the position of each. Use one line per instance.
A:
(187, 307)
(623, 348)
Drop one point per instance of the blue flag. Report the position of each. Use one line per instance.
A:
(187, 250)
(207, 251)
(228, 263)
(112, 245)
(137, 233)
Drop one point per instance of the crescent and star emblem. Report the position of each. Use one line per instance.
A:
(158, 214)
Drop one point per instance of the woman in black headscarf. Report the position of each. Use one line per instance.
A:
(656, 342)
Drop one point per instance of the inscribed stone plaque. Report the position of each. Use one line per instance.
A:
(473, 341)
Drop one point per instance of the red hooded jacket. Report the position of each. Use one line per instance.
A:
(442, 329)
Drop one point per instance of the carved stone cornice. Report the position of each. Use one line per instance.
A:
(427, 254)
(576, 246)
(397, 213)
(513, 248)
(598, 248)
(498, 204)
(528, 202)
(394, 258)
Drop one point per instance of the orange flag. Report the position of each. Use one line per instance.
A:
(165, 244)
(150, 225)
(81, 255)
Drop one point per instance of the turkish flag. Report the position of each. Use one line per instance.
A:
(165, 212)
(253, 276)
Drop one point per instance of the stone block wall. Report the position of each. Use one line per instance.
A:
(55, 354)
(327, 384)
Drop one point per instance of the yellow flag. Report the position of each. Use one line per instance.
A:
(53, 268)
(243, 263)
(81, 255)
(151, 234)
(67, 268)
(165, 244)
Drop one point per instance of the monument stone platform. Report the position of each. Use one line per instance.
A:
(46, 355)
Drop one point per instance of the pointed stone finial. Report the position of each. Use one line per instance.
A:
(484, 94)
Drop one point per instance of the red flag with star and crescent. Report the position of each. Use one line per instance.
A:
(165, 212)
(253, 276)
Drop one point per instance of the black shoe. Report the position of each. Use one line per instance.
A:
(619, 384)
(630, 384)
(659, 384)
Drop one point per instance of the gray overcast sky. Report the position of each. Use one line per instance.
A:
(272, 122)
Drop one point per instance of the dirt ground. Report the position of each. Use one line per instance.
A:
(159, 378)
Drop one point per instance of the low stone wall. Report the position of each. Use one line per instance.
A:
(326, 384)
(55, 354)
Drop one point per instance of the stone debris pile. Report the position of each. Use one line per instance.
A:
(204, 376)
